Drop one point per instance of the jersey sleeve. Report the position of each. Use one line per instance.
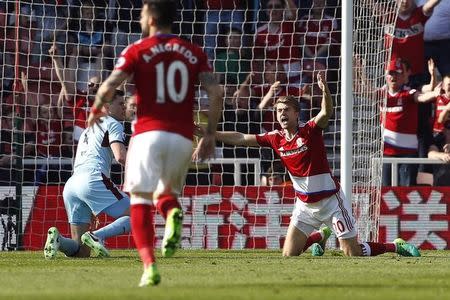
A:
(127, 60)
(312, 126)
(204, 64)
(265, 139)
(116, 134)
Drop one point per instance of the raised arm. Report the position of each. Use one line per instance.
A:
(106, 93)
(269, 96)
(326, 109)
(66, 76)
(429, 6)
(426, 97)
(291, 10)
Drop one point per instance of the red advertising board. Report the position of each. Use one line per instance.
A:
(257, 217)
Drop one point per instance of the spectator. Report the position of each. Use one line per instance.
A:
(276, 175)
(231, 66)
(399, 119)
(279, 40)
(7, 164)
(78, 101)
(441, 114)
(319, 33)
(424, 110)
(276, 85)
(220, 12)
(408, 34)
(440, 149)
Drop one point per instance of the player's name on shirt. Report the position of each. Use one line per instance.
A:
(170, 47)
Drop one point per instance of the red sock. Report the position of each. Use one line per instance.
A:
(315, 237)
(143, 231)
(165, 203)
(374, 249)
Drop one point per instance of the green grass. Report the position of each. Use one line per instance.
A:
(249, 274)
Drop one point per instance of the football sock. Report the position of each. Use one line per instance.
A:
(143, 231)
(68, 246)
(374, 249)
(165, 204)
(119, 226)
(315, 237)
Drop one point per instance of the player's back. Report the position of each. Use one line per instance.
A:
(166, 71)
(94, 154)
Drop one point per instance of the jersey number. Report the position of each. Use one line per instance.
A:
(166, 81)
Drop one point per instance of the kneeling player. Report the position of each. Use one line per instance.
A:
(90, 190)
(319, 197)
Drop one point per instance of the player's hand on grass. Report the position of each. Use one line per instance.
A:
(205, 149)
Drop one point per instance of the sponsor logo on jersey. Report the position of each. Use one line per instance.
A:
(294, 151)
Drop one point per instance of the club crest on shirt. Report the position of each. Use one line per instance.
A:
(300, 142)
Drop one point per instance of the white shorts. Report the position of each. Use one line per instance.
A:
(335, 212)
(157, 161)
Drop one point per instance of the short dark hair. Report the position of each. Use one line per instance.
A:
(164, 11)
(289, 100)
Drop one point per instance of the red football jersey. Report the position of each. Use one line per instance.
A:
(282, 47)
(400, 128)
(80, 109)
(305, 159)
(318, 31)
(166, 70)
(407, 40)
(441, 102)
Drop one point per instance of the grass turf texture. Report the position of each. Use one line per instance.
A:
(248, 274)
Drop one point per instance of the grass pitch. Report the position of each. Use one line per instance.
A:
(227, 275)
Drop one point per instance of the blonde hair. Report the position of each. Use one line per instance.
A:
(290, 101)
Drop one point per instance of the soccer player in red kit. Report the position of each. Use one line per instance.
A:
(319, 198)
(166, 70)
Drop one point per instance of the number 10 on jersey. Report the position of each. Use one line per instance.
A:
(165, 77)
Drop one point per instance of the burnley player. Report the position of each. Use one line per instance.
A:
(319, 196)
(90, 191)
(166, 70)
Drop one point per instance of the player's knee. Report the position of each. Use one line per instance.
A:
(290, 252)
(351, 250)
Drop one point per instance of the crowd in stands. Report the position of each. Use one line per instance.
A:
(259, 49)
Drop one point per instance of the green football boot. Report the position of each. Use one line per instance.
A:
(150, 276)
(406, 249)
(95, 244)
(52, 243)
(172, 232)
(318, 249)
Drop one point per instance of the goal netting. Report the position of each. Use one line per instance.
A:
(242, 199)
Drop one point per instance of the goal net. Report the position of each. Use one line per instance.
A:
(242, 199)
